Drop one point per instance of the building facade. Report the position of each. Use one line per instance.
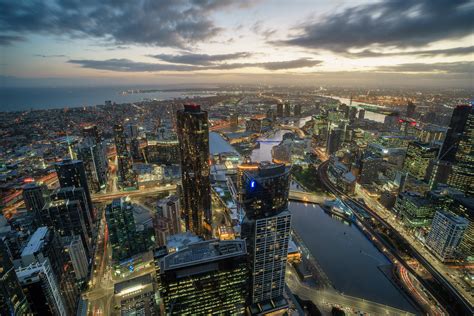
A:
(266, 229)
(209, 277)
(193, 135)
(446, 234)
(126, 176)
(12, 298)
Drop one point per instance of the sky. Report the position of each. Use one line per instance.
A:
(82, 42)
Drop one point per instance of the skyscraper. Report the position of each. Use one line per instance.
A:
(279, 111)
(193, 135)
(93, 133)
(462, 173)
(44, 258)
(266, 228)
(35, 196)
(71, 173)
(411, 109)
(335, 140)
(287, 109)
(12, 299)
(167, 218)
(457, 128)
(76, 194)
(67, 218)
(209, 277)
(124, 236)
(297, 110)
(446, 234)
(95, 163)
(126, 176)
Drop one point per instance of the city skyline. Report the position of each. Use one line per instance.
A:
(174, 42)
(225, 157)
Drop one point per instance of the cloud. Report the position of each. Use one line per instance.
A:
(457, 51)
(49, 56)
(174, 23)
(389, 23)
(6, 40)
(126, 65)
(275, 65)
(199, 59)
(452, 68)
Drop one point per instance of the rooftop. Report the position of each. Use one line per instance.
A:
(203, 252)
(36, 241)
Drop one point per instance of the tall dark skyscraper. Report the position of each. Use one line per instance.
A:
(12, 299)
(462, 173)
(457, 128)
(67, 218)
(266, 228)
(71, 173)
(93, 133)
(279, 111)
(127, 178)
(45, 276)
(95, 163)
(35, 196)
(193, 135)
(411, 109)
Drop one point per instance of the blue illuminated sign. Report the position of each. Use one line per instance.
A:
(252, 184)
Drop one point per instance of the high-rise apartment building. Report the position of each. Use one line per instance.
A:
(462, 173)
(446, 234)
(279, 110)
(411, 110)
(67, 219)
(168, 218)
(193, 135)
(44, 257)
(76, 194)
(287, 109)
(35, 196)
(71, 173)
(12, 298)
(205, 278)
(297, 110)
(95, 164)
(266, 228)
(457, 128)
(126, 176)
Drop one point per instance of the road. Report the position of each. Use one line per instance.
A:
(448, 273)
(462, 306)
(324, 297)
(106, 197)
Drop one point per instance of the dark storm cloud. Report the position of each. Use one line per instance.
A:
(457, 51)
(9, 39)
(392, 23)
(175, 23)
(126, 65)
(453, 68)
(199, 59)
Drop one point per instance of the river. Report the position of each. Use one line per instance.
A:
(374, 116)
(350, 260)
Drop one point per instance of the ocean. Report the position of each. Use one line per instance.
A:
(22, 99)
